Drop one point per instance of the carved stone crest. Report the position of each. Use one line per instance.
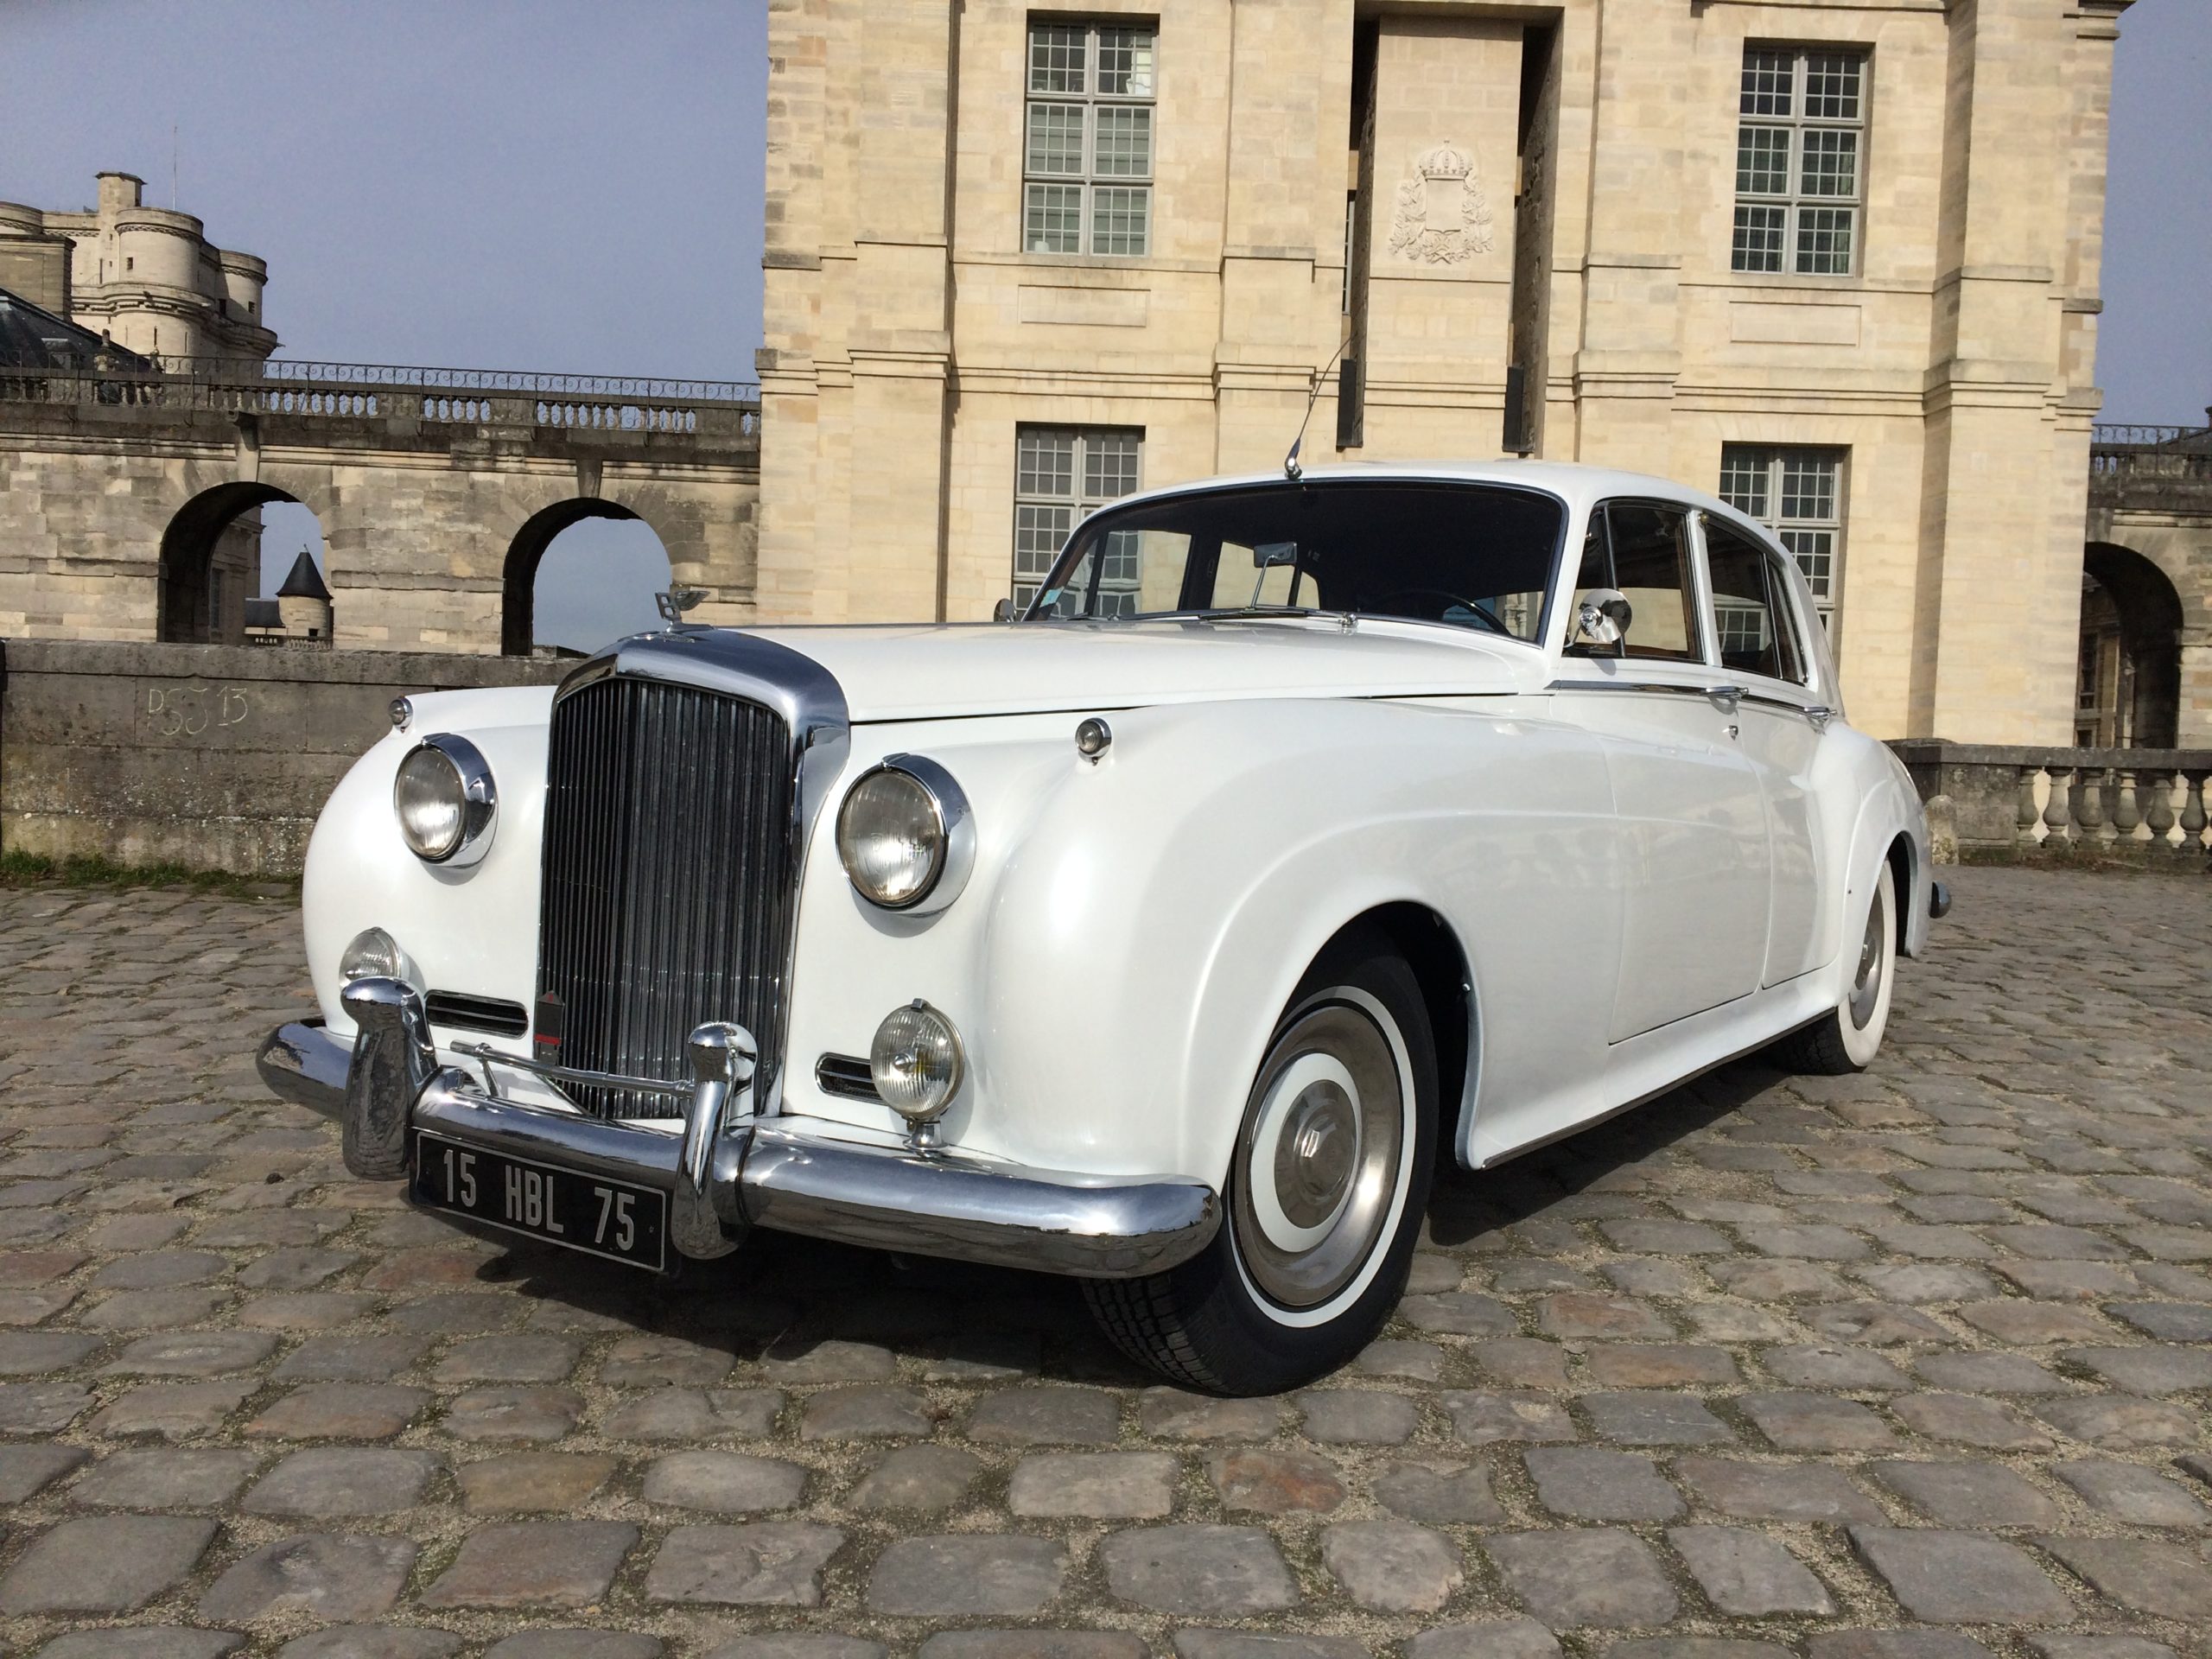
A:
(1442, 217)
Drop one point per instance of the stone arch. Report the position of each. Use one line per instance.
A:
(190, 545)
(2128, 599)
(518, 579)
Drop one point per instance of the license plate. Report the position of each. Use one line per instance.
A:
(563, 1206)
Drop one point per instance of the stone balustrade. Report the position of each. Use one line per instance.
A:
(727, 411)
(1988, 803)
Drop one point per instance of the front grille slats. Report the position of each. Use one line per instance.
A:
(465, 1010)
(668, 880)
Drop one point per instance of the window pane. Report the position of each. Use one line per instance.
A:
(1832, 85)
(1831, 166)
(1757, 244)
(1120, 218)
(1056, 60)
(1055, 139)
(1039, 532)
(1052, 218)
(1742, 608)
(1651, 569)
(1808, 486)
(1109, 466)
(1124, 143)
(1045, 464)
(1766, 83)
(1743, 480)
(1814, 551)
(1125, 62)
(1763, 160)
(1824, 240)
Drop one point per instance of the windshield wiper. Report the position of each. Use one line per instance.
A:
(1245, 613)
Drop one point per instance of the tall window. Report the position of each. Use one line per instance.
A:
(1797, 494)
(1087, 155)
(1062, 474)
(1800, 160)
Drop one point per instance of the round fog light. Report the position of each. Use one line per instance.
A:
(915, 1062)
(374, 954)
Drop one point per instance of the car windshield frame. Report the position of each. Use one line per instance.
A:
(1106, 519)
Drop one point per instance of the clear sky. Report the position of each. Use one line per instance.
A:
(571, 185)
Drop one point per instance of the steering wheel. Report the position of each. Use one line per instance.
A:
(1450, 599)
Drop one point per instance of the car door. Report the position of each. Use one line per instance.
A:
(1693, 822)
(1780, 718)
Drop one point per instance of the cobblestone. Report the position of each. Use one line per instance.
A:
(1771, 1365)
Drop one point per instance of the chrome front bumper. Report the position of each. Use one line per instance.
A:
(730, 1170)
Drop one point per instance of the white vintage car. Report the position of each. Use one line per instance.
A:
(1304, 831)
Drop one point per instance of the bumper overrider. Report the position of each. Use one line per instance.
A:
(729, 1170)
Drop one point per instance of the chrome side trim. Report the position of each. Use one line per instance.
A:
(301, 1061)
(1718, 693)
(891, 1198)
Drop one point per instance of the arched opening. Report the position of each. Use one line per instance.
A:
(211, 564)
(579, 574)
(2128, 692)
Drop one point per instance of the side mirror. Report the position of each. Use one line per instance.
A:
(1601, 619)
(1003, 611)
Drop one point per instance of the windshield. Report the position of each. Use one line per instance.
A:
(1473, 556)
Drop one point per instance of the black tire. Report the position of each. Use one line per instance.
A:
(1845, 1038)
(1207, 1324)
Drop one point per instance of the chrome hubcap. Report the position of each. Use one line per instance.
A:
(1867, 989)
(1317, 1161)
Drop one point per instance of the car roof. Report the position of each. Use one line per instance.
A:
(1577, 484)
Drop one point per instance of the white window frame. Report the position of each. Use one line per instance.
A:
(1755, 481)
(1776, 113)
(1044, 517)
(1092, 190)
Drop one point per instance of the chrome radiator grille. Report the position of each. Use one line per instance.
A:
(668, 889)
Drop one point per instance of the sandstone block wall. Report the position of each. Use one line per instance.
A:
(217, 758)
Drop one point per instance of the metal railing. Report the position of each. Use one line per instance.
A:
(2106, 436)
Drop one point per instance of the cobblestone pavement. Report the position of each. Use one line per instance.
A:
(1906, 1366)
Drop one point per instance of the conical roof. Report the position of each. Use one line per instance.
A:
(305, 582)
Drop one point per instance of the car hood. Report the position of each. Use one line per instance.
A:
(921, 672)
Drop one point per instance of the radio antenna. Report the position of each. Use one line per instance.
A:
(1291, 469)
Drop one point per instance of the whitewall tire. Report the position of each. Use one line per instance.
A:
(1323, 1197)
(1848, 1036)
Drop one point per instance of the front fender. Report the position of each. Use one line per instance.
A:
(1135, 927)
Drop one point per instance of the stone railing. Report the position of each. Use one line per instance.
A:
(724, 410)
(1986, 802)
(2151, 467)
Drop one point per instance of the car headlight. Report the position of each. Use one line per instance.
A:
(374, 954)
(906, 836)
(916, 1061)
(445, 801)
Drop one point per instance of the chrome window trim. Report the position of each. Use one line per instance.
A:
(814, 710)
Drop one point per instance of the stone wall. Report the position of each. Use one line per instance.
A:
(213, 757)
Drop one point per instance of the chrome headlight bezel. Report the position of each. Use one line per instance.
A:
(474, 798)
(953, 835)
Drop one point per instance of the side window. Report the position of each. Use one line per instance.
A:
(1750, 607)
(1644, 551)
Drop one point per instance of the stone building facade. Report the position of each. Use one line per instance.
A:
(149, 280)
(1839, 261)
(146, 277)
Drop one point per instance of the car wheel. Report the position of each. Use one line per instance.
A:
(1848, 1036)
(1326, 1188)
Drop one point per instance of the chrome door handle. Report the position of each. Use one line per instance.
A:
(1820, 714)
(1731, 695)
